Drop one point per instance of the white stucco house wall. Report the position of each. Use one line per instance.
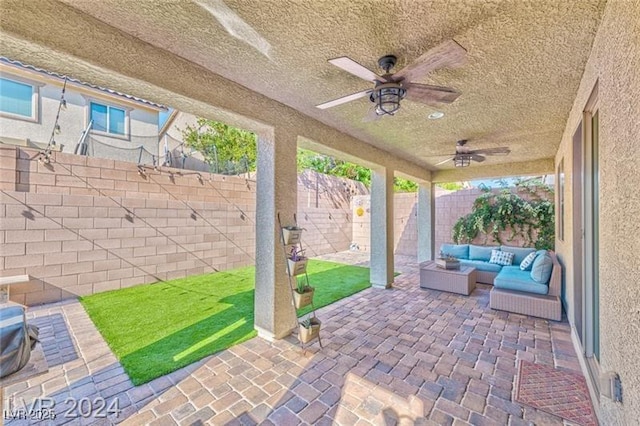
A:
(122, 126)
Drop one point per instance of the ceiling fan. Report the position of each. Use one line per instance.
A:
(464, 156)
(389, 89)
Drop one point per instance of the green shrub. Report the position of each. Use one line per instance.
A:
(494, 213)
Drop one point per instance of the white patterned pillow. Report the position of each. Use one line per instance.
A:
(500, 257)
(527, 261)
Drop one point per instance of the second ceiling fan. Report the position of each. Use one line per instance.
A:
(464, 156)
(389, 89)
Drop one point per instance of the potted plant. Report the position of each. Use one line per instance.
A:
(309, 329)
(291, 234)
(303, 294)
(297, 262)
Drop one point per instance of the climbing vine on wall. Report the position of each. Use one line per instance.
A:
(532, 218)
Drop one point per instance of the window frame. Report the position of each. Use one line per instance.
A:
(109, 105)
(35, 98)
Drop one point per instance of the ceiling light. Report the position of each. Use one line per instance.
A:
(387, 97)
(462, 160)
(435, 115)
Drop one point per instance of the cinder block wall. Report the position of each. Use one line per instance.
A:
(82, 225)
(452, 206)
(449, 208)
(405, 226)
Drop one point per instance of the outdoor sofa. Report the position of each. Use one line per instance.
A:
(534, 291)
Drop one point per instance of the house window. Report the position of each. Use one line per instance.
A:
(108, 119)
(18, 99)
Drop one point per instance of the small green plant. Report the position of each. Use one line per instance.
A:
(301, 285)
(309, 322)
(306, 323)
(530, 218)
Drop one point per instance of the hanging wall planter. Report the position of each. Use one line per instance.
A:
(297, 262)
(303, 299)
(297, 267)
(309, 329)
(292, 235)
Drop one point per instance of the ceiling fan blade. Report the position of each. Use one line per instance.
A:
(431, 95)
(446, 54)
(478, 158)
(445, 161)
(344, 99)
(372, 115)
(351, 66)
(492, 151)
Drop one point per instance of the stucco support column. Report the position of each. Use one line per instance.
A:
(381, 272)
(426, 222)
(276, 192)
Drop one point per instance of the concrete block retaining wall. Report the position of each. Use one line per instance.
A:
(81, 225)
(450, 206)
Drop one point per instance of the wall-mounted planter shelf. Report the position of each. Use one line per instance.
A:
(291, 237)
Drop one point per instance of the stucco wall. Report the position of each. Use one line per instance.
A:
(81, 225)
(615, 65)
(143, 122)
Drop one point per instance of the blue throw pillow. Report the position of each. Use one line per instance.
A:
(481, 252)
(526, 264)
(542, 268)
(459, 251)
(519, 253)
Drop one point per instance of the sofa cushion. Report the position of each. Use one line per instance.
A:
(526, 264)
(519, 253)
(481, 252)
(512, 278)
(542, 268)
(481, 265)
(459, 251)
(500, 257)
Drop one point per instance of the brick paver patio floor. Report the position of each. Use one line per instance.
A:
(399, 356)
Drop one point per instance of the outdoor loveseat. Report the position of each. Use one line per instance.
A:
(533, 291)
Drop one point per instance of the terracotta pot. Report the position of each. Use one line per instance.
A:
(308, 334)
(304, 299)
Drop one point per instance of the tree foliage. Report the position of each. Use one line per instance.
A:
(451, 186)
(492, 213)
(222, 145)
(309, 160)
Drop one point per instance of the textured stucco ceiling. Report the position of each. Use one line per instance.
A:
(525, 61)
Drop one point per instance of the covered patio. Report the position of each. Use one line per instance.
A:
(534, 79)
(403, 356)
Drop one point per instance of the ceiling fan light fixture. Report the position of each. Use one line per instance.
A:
(462, 160)
(387, 97)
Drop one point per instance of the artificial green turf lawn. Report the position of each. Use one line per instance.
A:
(155, 329)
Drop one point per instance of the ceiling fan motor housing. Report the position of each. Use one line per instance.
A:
(387, 62)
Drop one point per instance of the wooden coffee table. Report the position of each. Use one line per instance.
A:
(461, 281)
